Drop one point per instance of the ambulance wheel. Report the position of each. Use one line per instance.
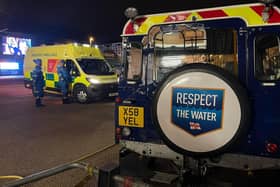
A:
(80, 94)
(201, 110)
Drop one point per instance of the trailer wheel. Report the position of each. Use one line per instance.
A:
(80, 94)
(201, 110)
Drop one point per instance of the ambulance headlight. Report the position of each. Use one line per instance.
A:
(126, 131)
(93, 80)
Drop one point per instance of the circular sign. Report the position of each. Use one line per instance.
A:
(199, 109)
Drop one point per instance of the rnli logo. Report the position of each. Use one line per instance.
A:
(197, 111)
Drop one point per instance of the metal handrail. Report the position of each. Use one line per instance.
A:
(58, 169)
(49, 172)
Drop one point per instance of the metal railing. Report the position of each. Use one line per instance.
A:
(50, 172)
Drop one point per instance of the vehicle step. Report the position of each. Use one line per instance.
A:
(166, 178)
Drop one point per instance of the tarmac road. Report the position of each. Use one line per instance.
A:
(34, 139)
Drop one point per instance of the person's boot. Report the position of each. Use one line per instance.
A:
(39, 103)
(65, 101)
(68, 101)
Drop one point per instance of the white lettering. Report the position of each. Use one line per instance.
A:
(213, 116)
(207, 99)
(190, 98)
(194, 114)
(182, 113)
(214, 100)
(208, 116)
(185, 98)
(202, 99)
(179, 97)
(196, 99)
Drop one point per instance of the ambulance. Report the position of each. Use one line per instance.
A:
(92, 76)
(200, 88)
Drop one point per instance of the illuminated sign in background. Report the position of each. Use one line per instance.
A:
(9, 66)
(13, 49)
(15, 46)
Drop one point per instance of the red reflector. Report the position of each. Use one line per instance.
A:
(118, 100)
(118, 137)
(118, 131)
(271, 147)
(128, 182)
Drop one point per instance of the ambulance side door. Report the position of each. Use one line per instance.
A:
(73, 71)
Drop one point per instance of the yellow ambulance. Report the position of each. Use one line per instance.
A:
(92, 76)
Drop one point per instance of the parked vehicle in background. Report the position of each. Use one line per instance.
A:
(92, 76)
(113, 59)
(113, 54)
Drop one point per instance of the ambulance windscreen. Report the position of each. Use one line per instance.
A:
(95, 67)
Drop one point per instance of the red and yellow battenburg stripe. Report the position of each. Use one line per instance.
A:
(250, 13)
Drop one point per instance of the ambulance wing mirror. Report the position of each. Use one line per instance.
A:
(74, 73)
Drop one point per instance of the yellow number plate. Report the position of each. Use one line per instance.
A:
(131, 116)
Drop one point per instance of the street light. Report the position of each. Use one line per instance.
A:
(91, 40)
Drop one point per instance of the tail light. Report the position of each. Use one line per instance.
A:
(118, 100)
(271, 147)
(118, 133)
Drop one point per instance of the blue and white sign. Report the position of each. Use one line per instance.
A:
(197, 111)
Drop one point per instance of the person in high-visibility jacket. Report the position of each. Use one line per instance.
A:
(38, 82)
(64, 81)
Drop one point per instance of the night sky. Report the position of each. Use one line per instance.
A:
(61, 20)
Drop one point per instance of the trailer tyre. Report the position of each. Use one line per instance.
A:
(201, 110)
(80, 93)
